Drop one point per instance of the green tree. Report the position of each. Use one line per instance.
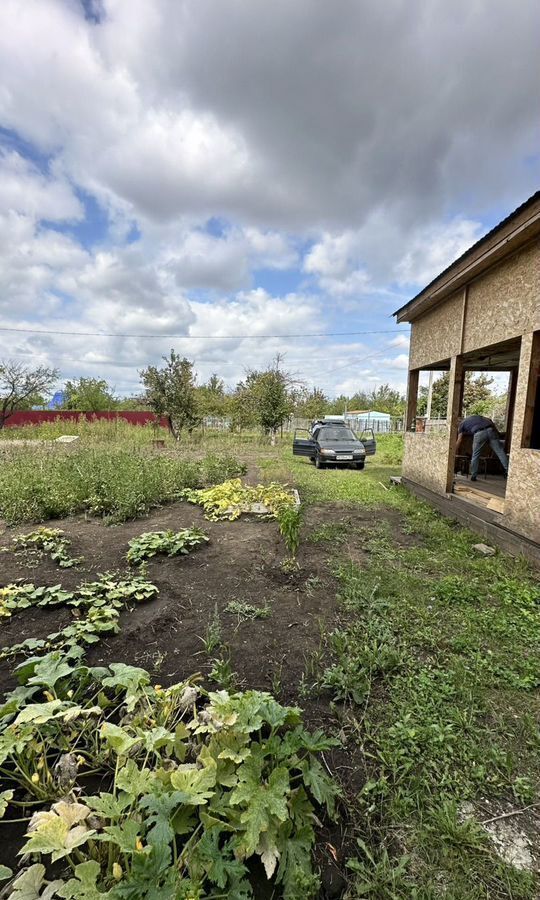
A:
(22, 387)
(477, 395)
(171, 391)
(386, 399)
(212, 398)
(311, 404)
(242, 406)
(88, 395)
(268, 395)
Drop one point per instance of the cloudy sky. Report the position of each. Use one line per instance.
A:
(263, 175)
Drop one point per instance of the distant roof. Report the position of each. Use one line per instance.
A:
(471, 253)
(366, 412)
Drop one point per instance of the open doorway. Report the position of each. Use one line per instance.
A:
(499, 362)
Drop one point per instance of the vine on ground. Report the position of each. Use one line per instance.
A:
(50, 541)
(232, 498)
(168, 543)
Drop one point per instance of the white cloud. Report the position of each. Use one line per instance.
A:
(397, 362)
(25, 189)
(402, 340)
(356, 135)
(432, 249)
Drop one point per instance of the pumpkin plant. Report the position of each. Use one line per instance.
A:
(168, 543)
(193, 785)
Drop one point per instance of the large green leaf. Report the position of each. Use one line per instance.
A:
(196, 785)
(264, 803)
(84, 885)
(40, 713)
(320, 784)
(59, 830)
(118, 738)
(31, 885)
(134, 781)
(160, 813)
(110, 806)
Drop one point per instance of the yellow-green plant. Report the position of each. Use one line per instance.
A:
(232, 498)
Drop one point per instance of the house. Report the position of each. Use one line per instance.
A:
(482, 314)
(360, 419)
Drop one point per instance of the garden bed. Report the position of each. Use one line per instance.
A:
(231, 606)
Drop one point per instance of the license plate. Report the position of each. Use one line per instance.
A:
(345, 456)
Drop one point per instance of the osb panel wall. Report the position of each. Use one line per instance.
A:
(504, 302)
(522, 385)
(522, 506)
(437, 335)
(425, 459)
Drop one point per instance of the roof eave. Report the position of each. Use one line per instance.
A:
(522, 226)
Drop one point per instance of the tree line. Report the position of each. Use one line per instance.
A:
(263, 399)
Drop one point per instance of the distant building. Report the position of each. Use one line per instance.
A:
(360, 419)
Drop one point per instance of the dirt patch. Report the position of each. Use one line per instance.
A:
(242, 562)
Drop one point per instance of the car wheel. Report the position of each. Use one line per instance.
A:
(360, 465)
(319, 463)
(312, 459)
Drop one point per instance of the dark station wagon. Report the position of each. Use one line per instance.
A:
(334, 445)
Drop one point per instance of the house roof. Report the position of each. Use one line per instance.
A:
(366, 412)
(516, 229)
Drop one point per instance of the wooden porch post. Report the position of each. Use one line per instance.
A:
(456, 383)
(412, 398)
(510, 406)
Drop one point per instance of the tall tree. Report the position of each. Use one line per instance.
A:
(269, 394)
(171, 391)
(386, 399)
(21, 386)
(477, 395)
(212, 397)
(311, 404)
(89, 395)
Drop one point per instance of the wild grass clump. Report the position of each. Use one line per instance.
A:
(117, 483)
(389, 449)
(90, 431)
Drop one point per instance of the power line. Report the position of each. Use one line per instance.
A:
(185, 337)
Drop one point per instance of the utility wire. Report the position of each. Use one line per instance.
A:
(185, 337)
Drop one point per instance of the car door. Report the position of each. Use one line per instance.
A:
(368, 439)
(304, 445)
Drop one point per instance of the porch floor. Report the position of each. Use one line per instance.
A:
(488, 491)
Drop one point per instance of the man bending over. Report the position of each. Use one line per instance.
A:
(483, 431)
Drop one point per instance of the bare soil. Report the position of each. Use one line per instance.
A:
(242, 561)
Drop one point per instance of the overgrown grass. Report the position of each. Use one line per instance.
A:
(437, 662)
(434, 666)
(40, 483)
(119, 431)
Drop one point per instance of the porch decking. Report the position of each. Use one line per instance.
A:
(488, 491)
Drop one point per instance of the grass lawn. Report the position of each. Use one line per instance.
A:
(420, 657)
(434, 667)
